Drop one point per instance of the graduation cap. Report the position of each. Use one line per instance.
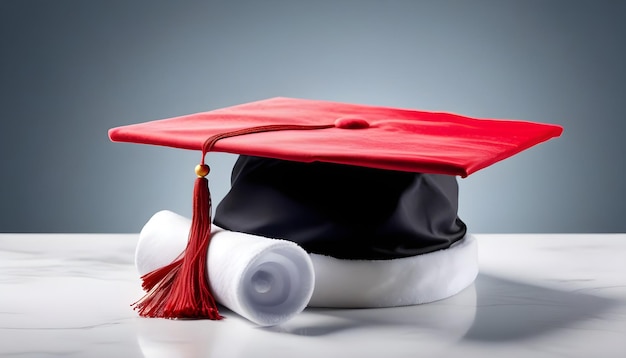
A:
(353, 182)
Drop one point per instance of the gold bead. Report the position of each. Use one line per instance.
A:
(202, 170)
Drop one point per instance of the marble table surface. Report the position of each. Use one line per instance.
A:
(536, 296)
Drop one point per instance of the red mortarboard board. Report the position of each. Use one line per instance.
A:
(299, 130)
(376, 137)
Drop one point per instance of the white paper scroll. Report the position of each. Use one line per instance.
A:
(267, 281)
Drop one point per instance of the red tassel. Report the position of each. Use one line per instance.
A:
(181, 289)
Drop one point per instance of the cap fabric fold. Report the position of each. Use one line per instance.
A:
(342, 211)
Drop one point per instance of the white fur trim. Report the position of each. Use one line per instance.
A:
(397, 282)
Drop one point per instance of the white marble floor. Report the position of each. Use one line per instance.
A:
(535, 296)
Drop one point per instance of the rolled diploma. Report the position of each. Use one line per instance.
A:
(267, 281)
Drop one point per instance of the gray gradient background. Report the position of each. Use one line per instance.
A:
(70, 70)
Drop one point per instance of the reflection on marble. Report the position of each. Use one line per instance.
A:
(536, 296)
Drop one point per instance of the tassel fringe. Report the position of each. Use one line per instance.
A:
(181, 289)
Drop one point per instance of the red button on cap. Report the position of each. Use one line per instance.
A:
(351, 123)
